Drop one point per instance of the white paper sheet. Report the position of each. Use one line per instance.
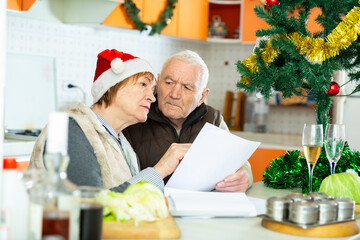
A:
(259, 204)
(214, 154)
(187, 203)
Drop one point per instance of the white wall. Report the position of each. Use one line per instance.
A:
(2, 78)
(75, 48)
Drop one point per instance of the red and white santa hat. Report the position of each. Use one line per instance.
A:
(113, 67)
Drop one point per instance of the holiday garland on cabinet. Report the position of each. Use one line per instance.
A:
(290, 59)
(165, 18)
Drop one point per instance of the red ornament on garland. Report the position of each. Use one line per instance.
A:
(334, 89)
(269, 3)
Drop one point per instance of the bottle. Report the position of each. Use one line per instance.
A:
(261, 114)
(55, 201)
(15, 203)
(249, 125)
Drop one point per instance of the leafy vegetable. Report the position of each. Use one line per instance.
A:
(342, 185)
(142, 201)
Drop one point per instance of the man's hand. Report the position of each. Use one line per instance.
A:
(237, 182)
(171, 159)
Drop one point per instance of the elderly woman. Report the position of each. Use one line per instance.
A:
(99, 153)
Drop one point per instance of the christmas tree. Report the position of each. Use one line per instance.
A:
(292, 60)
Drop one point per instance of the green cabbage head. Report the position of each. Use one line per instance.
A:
(142, 201)
(342, 185)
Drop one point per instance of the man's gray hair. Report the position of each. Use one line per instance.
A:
(194, 59)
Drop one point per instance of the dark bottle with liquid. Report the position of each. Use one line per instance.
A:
(55, 201)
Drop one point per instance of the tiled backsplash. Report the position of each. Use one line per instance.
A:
(75, 48)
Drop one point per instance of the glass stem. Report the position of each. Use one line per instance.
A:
(332, 167)
(310, 167)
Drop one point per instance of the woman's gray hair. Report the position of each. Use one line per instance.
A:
(194, 59)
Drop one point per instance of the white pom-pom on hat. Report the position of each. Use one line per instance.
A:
(117, 65)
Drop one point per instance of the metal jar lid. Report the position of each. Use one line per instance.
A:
(298, 197)
(318, 195)
(277, 208)
(327, 210)
(304, 212)
(346, 208)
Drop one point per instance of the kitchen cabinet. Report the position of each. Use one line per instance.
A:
(261, 159)
(272, 146)
(193, 19)
(152, 12)
(241, 14)
(250, 23)
(119, 18)
(229, 13)
(20, 5)
(189, 17)
(237, 14)
(313, 26)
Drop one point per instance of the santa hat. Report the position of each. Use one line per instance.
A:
(113, 67)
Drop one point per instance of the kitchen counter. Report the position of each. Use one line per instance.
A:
(21, 149)
(273, 141)
(240, 228)
(17, 148)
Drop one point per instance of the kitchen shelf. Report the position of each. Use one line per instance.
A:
(293, 106)
(230, 13)
(226, 2)
(224, 40)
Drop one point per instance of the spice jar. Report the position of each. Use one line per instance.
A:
(277, 208)
(327, 210)
(318, 195)
(298, 197)
(346, 208)
(303, 212)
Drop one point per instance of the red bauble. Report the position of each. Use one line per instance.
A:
(269, 3)
(334, 89)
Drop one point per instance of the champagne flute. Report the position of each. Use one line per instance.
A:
(334, 143)
(312, 140)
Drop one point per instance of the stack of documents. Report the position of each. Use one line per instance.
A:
(214, 155)
(213, 204)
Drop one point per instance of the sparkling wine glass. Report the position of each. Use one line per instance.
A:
(334, 143)
(312, 140)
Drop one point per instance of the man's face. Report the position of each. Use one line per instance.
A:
(179, 89)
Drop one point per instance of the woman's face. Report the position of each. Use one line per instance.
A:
(132, 102)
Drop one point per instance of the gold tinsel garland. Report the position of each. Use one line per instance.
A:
(315, 49)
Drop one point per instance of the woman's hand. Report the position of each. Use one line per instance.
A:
(171, 158)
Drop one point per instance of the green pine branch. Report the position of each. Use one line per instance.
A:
(291, 70)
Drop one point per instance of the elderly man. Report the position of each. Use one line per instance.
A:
(179, 114)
